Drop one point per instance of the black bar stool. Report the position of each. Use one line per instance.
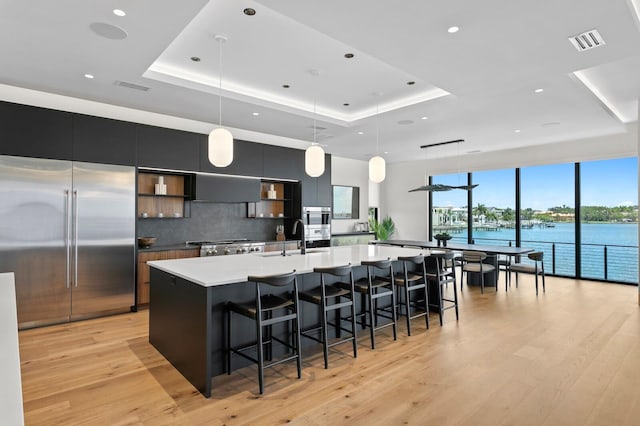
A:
(442, 271)
(322, 296)
(411, 282)
(262, 312)
(376, 286)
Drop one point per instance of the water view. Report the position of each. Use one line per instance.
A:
(619, 239)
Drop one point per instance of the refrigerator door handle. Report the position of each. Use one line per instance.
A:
(75, 238)
(67, 236)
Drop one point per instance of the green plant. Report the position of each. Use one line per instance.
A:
(383, 230)
(443, 236)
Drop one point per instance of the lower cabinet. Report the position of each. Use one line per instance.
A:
(143, 268)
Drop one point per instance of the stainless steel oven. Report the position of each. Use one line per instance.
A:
(317, 226)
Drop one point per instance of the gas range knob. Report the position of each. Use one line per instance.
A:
(238, 250)
(209, 252)
(214, 252)
(227, 251)
(244, 250)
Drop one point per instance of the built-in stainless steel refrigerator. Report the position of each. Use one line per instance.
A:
(67, 230)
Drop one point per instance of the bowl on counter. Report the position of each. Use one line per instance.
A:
(146, 242)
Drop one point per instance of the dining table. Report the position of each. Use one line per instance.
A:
(492, 251)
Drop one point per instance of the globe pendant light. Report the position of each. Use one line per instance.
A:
(377, 165)
(314, 155)
(220, 139)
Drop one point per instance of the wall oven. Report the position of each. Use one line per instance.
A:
(317, 226)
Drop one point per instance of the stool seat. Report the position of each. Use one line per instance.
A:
(268, 302)
(399, 278)
(362, 285)
(315, 294)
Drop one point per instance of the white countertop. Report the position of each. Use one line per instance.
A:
(219, 270)
(11, 410)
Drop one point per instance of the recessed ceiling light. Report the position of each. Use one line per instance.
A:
(386, 152)
(195, 59)
(349, 55)
(119, 12)
(249, 11)
(517, 130)
(361, 133)
(286, 86)
(255, 114)
(539, 90)
(424, 118)
(453, 30)
(411, 83)
(89, 76)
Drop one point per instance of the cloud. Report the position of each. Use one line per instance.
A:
(628, 204)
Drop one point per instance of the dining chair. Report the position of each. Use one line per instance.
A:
(536, 268)
(473, 261)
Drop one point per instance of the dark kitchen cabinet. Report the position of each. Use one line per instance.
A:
(101, 140)
(28, 131)
(283, 163)
(247, 159)
(317, 191)
(226, 189)
(167, 148)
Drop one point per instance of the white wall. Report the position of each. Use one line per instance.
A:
(347, 172)
(410, 210)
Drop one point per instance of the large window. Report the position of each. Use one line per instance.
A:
(609, 212)
(494, 204)
(546, 215)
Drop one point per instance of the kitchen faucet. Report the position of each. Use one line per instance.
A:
(303, 243)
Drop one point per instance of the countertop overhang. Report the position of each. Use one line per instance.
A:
(220, 270)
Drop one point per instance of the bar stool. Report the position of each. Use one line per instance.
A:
(442, 271)
(323, 296)
(411, 282)
(376, 286)
(262, 310)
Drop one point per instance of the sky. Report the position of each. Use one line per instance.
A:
(603, 183)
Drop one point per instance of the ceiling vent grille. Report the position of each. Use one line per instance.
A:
(587, 40)
(131, 86)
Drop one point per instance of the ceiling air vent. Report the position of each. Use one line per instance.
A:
(131, 86)
(587, 40)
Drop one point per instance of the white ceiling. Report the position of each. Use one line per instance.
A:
(477, 84)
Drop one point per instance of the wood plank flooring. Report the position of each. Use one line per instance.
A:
(570, 356)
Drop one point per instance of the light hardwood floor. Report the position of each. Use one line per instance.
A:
(570, 356)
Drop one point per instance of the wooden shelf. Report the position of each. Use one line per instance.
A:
(171, 204)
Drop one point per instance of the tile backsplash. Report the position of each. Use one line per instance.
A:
(210, 221)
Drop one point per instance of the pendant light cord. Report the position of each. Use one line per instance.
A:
(220, 82)
(315, 129)
(378, 128)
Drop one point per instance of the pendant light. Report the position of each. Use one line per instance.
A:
(314, 155)
(220, 139)
(377, 165)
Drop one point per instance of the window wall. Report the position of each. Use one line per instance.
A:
(449, 213)
(547, 215)
(589, 230)
(608, 213)
(494, 204)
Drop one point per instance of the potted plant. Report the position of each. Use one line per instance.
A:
(383, 230)
(442, 238)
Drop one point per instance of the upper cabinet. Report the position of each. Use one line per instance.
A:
(28, 131)
(317, 191)
(247, 159)
(167, 148)
(283, 163)
(226, 189)
(101, 140)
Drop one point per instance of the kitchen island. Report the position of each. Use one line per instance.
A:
(188, 298)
